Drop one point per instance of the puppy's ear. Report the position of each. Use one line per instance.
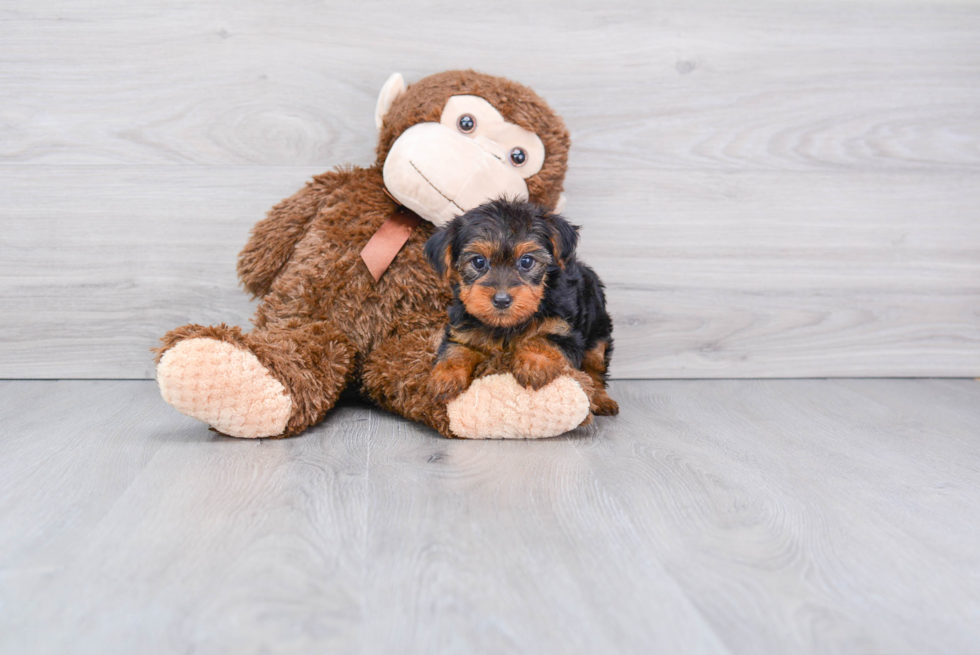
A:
(439, 250)
(564, 238)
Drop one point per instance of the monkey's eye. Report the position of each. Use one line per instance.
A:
(518, 157)
(479, 263)
(526, 263)
(466, 123)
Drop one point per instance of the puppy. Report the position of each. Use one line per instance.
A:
(521, 299)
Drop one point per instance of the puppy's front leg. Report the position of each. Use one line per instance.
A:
(453, 370)
(537, 362)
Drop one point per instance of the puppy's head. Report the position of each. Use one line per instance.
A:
(501, 254)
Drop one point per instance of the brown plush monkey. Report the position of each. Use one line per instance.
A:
(343, 302)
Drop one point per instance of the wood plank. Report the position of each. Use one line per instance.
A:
(219, 544)
(512, 546)
(101, 262)
(709, 274)
(56, 445)
(765, 84)
(840, 516)
(734, 516)
(760, 274)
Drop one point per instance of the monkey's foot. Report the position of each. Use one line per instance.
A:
(224, 386)
(497, 407)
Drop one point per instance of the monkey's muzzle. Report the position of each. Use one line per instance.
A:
(439, 174)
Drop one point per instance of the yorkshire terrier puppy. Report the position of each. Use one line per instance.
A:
(520, 299)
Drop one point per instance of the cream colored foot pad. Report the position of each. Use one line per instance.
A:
(224, 386)
(497, 407)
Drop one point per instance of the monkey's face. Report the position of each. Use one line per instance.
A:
(452, 161)
(440, 170)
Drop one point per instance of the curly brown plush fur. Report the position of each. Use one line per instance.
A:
(323, 322)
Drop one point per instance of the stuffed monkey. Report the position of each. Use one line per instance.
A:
(346, 295)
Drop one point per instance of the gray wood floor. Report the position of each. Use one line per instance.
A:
(749, 516)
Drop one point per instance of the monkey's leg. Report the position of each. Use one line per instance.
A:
(272, 382)
(397, 377)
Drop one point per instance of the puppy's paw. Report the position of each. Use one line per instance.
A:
(603, 405)
(449, 380)
(534, 369)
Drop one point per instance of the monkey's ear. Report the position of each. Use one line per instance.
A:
(439, 251)
(560, 205)
(564, 238)
(394, 87)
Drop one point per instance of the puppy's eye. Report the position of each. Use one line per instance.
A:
(479, 263)
(526, 262)
(466, 123)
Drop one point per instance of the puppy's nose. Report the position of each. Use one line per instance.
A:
(502, 300)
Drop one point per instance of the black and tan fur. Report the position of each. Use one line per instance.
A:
(521, 301)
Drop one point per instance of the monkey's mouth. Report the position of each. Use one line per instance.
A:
(440, 174)
(434, 187)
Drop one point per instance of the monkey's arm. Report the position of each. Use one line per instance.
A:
(273, 238)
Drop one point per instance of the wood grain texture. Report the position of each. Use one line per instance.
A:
(695, 291)
(769, 189)
(167, 539)
(751, 516)
(765, 84)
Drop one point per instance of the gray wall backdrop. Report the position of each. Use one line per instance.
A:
(770, 188)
